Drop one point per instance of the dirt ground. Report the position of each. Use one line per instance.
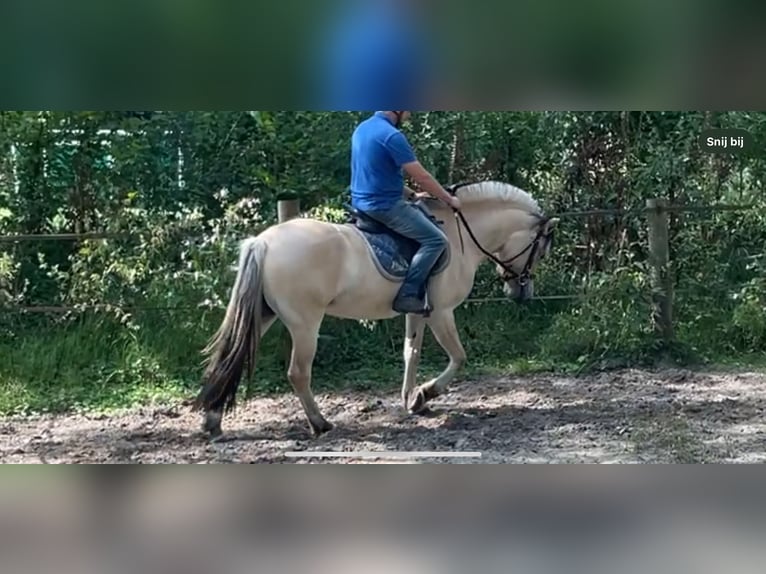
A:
(628, 416)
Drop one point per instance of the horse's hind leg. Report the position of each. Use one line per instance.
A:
(304, 348)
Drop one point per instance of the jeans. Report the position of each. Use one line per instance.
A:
(409, 221)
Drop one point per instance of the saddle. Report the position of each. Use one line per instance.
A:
(391, 252)
(366, 223)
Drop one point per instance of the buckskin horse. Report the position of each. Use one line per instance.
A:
(303, 269)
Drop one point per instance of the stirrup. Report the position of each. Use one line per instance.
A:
(427, 305)
(422, 309)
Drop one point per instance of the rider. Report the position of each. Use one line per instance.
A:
(379, 153)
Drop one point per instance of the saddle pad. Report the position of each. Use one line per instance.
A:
(392, 254)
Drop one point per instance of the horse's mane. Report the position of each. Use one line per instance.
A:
(497, 191)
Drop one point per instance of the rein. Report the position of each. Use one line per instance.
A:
(509, 273)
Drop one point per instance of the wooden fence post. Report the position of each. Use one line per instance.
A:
(659, 260)
(288, 207)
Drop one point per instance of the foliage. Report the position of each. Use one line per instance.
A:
(179, 190)
(749, 314)
(611, 321)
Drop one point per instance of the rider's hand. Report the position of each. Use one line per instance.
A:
(455, 203)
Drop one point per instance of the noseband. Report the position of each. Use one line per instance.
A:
(508, 273)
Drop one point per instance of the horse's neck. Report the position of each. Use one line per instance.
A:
(489, 227)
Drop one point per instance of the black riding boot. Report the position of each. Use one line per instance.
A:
(411, 299)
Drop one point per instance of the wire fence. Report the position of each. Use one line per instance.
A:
(65, 309)
(77, 237)
(65, 237)
(645, 210)
(21, 238)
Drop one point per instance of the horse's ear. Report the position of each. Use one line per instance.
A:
(550, 225)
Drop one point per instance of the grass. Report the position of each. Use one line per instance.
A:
(98, 364)
(90, 365)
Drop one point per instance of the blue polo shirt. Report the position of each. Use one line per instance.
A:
(378, 152)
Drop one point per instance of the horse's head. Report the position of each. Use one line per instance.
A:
(517, 258)
(506, 215)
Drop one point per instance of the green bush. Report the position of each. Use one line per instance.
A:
(749, 316)
(611, 320)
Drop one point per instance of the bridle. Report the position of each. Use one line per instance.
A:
(509, 274)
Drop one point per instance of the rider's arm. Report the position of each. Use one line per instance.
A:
(426, 181)
(404, 156)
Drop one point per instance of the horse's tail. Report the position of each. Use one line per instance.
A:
(234, 346)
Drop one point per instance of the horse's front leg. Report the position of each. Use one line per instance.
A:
(443, 327)
(413, 343)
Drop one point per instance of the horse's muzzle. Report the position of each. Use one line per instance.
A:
(519, 292)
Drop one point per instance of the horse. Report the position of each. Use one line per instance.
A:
(302, 270)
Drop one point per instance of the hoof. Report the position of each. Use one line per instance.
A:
(419, 398)
(212, 425)
(417, 402)
(322, 428)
